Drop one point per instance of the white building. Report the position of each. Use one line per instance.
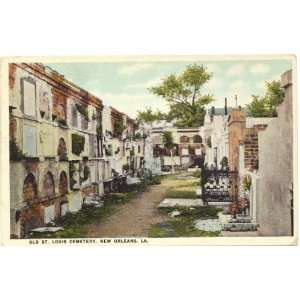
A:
(151, 163)
(215, 133)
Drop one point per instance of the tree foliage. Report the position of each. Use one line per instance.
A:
(168, 140)
(149, 116)
(183, 94)
(266, 105)
(119, 127)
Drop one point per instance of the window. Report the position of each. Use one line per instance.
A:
(29, 96)
(29, 140)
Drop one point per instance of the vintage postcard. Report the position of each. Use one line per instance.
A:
(155, 150)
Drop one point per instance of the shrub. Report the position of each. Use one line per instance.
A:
(208, 141)
(197, 174)
(224, 162)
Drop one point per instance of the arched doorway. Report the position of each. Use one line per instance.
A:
(197, 139)
(29, 189)
(29, 215)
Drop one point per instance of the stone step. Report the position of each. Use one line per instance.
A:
(240, 227)
(240, 220)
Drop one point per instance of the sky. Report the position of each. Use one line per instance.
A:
(124, 85)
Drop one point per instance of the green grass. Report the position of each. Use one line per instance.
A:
(155, 180)
(185, 192)
(178, 227)
(202, 212)
(183, 225)
(197, 174)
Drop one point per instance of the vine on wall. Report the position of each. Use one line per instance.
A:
(83, 110)
(118, 128)
(15, 153)
(78, 142)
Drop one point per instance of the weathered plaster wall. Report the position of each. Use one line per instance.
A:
(276, 169)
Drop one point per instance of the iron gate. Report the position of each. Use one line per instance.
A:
(219, 186)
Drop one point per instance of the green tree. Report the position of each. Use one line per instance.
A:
(183, 94)
(168, 141)
(149, 116)
(266, 106)
(119, 127)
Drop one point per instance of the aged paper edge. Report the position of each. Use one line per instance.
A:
(4, 158)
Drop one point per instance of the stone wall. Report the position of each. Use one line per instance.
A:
(276, 169)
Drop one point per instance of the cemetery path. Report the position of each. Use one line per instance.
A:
(133, 218)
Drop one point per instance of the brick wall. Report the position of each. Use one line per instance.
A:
(251, 162)
(236, 129)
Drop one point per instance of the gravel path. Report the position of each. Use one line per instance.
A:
(133, 218)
